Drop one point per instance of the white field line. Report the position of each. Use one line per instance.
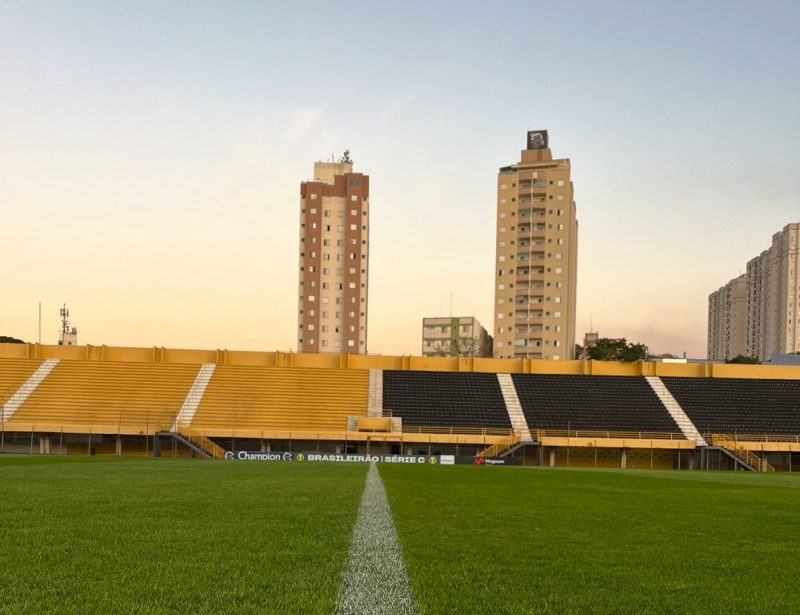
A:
(375, 580)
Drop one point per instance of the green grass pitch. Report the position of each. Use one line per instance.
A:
(90, 535)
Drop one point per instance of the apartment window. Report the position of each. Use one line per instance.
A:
(502, 244)
(503, 201)
(501, 287)
(354, 227)
(351, 343)
(310, 327)
(313, 225)
(313, 210)
(500, 316)
(503, 215)
(311, 342)
(327, 213)
(313, 195)
(323, 343)
(311, 268)
(312, 298)
(501, 258)
(340, 213)
(500, 329)
(310, 312)
(353, 197)
(556, 314)
(353, 212)
(352, 285)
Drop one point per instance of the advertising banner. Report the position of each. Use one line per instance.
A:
(314, 457)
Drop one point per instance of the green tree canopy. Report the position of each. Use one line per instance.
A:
(745, 360)
(5, 339)
(611, 349)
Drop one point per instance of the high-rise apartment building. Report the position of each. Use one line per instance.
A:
(537, 251)
(773, 296)
(727, 319)
(771, 289)
(334, 260)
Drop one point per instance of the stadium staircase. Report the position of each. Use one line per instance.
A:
(742, 456)
(205, 446)
(515, 414)
(503, 446)
(29, 386)
(675, 410)
(375, 394)
(194, 396)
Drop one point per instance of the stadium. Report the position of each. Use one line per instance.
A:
(164, 480)
(167, 402)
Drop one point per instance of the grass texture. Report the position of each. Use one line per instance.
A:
(519, 540)
(83, 535)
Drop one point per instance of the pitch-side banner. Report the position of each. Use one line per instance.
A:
(365, 458)
(314, 457)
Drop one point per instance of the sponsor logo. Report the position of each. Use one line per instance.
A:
(300, 457)
(229, 454)
(447, 460)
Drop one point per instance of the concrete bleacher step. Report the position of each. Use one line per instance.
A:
(194, 396)
(676, 411)
(27, 388)
(514, 408)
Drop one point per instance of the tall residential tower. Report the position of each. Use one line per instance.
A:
(537, 251)
(334, 260)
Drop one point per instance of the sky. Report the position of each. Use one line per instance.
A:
(151, 155)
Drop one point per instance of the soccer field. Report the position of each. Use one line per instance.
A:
(85, 535)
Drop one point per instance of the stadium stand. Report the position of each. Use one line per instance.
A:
(13, 373)
(254, 399)
(105, 397)
(467, 400)
(739, 405)
(614, 403)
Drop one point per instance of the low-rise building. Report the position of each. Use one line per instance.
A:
(455, 336)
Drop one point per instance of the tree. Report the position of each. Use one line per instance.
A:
(744, 360)
(578, 351)
(611, 349)
(346, 157)
(463, 347)
(5, 339)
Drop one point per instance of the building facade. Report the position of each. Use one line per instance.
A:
(773, 297)
(456, 336)
(727, 320)
(334, 260)
(536, 259)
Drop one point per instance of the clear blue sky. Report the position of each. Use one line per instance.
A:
(150, 156)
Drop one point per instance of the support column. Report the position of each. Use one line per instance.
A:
(119, 447)
(552, 458)
(44, 445)
(156, 446)
(623, 458)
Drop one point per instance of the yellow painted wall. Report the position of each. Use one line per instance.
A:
(447, 364)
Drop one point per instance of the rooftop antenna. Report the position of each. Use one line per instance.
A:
(69, 335)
